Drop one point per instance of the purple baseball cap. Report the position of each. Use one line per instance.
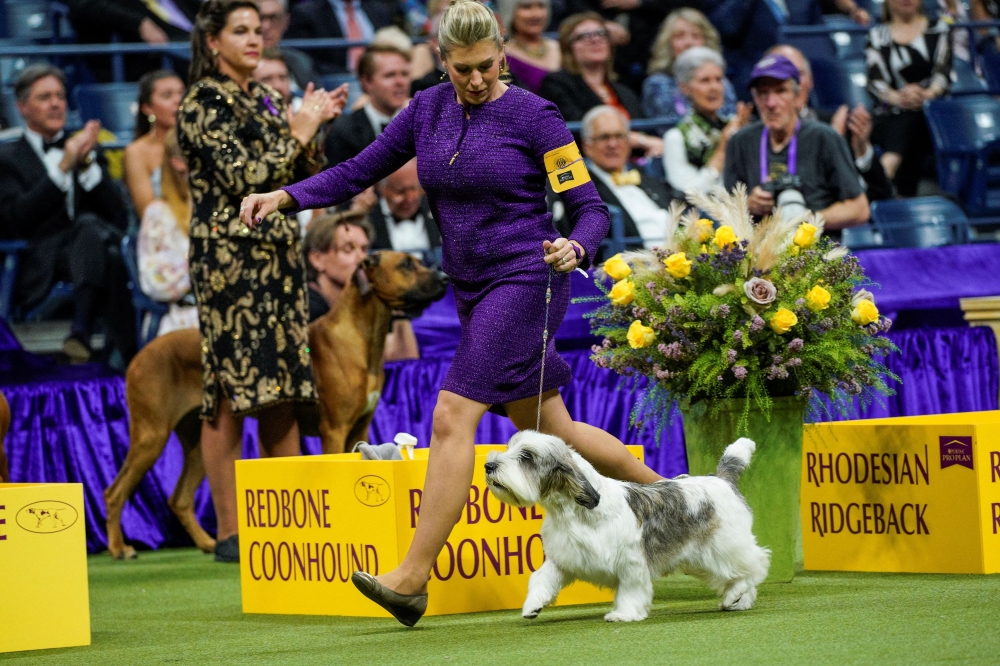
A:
(774, 67)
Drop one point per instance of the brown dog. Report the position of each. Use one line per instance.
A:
(4, 425)
(163, 384)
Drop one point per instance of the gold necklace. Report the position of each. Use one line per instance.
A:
(534, 52)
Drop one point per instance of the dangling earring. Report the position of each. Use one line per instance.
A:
(504, 70)
(152, 120)
(215, 53)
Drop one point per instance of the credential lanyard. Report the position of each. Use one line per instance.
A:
(793, 146)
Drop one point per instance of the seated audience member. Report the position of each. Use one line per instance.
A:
(160, 93)
(384, 73)
(694, 153)
(955, 11)
(807, 162)
(587, 78)
(909, 62)
(274, 21)
(855, 125)
(632, 25)
(149, 21)
(426, 69)
(530, 54)
(334, 246)
(402, 219)
(643, 200)
(56, 195)
(750, 27)
(661, 95)
(272, 69)
(163, 243)
(356, 20)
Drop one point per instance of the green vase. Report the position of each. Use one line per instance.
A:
(771, 483)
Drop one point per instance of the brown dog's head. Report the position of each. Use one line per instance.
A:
(401, 281)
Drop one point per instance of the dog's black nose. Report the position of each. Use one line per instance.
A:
(443, 278)
(491, 467)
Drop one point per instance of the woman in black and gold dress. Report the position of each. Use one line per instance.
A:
(249, 285)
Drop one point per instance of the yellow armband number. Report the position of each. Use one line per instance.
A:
(566, 168)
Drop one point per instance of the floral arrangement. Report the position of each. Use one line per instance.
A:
(742, 311)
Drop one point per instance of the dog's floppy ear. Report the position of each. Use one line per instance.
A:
(566, 476)
(361, 274)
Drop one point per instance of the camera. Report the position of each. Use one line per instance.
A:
(787, 192)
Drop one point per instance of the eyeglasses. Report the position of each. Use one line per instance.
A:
(591, 36)
(604, 138)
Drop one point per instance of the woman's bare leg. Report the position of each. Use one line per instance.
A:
(278, 431)
(608, 455)
(221, 445)
(446, 490)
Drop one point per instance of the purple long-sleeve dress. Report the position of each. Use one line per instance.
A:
(485, 180)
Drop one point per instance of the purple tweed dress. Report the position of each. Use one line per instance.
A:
(485, 180)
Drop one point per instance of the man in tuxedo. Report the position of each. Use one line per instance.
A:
(55, 195)
(149, 21)
(274, 19)
(402, 217)
(356, 20)
(384, 74)
(643, 200)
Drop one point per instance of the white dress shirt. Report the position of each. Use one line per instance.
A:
(376, 119)
(88, 178)
(649, 218)
(406, 235)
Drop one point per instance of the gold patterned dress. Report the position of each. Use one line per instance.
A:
(249, 285)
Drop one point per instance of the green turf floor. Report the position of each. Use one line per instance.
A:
(179, 607)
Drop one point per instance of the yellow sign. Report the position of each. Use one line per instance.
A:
(44, 600)
(308, 523)
(913, 494)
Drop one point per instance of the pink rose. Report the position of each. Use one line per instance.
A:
(760, 291)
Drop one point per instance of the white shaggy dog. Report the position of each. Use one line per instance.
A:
(622, 535)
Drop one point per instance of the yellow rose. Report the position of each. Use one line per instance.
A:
(783, 320)
(640, 336)
(805, 235)
(678, 265)
(622, 293)
(616, 268)
(864, 312)
(724, 236)
(705, 229)
(817, 299)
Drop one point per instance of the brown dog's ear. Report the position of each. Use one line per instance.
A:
(565, 477)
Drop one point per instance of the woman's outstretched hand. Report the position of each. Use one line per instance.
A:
(256, 207)
(561, 255)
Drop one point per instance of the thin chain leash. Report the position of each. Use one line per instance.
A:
(545, 348)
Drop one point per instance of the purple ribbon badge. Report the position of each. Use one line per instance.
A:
(956, 451)
(270, 105)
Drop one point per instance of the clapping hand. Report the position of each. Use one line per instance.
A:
(860, 123)
(79, 145)
(738, 121)
(318, 107)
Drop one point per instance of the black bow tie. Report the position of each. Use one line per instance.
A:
(59, 143)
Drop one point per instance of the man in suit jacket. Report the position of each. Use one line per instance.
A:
(402, 217)
(643, 200)
(274, 19)
(337, 19)
(384, 74)
(58, 198)
(150, 21)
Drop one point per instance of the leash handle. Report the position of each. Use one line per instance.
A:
(545, 348)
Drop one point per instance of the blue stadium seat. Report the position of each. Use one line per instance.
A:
(841, 82)
(847, 43)
(114, 104)
(990, 61)
(964, 80)
(966, 133)
(11, 117)
(142, 303)
(29, 19)
(60, 294)
(863, 237)
(919, 222)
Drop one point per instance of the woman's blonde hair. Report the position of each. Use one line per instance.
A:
(467, 22)
(663, 52)
(566, 29)
(174, 185)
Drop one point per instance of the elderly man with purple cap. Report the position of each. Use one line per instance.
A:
(789, 162)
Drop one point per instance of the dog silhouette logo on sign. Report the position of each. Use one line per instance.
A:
(372, 490)
(46, 517)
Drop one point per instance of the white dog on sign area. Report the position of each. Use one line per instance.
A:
(622, 535)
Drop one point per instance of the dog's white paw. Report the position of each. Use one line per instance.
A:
(530, 613)
(624, 616)
(745, 602)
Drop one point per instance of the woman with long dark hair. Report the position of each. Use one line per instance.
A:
(484, 151)
(249, 285)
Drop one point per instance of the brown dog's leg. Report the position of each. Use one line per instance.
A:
(182, 501)
(144, 451)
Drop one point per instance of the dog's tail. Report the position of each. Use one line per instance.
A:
(735, 459)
